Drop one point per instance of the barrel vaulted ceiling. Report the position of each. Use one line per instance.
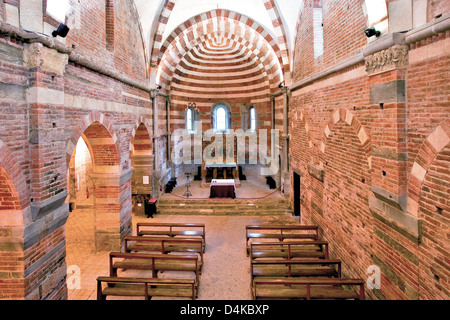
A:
(201, 35)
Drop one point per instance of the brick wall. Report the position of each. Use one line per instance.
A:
(343, 29)
(46, 104)
(361, 153)
(109, 33)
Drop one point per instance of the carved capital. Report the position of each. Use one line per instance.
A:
(395, 57)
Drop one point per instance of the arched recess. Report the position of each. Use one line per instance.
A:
(12, 208)
(346, 219)
(141, 161)
(429, 194)
(111, 194)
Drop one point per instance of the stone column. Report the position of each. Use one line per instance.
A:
(285, 163)
(155, 141)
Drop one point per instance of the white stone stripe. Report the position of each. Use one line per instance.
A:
(438, 139)
(239, 66)
(199, 81)
(237, 88)
(135, 97)
(86, 103)
(45, 96)
(215, 96)
(237, 55)
(222, 74)
(418, 172)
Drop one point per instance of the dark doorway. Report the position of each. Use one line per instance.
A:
(297, 183)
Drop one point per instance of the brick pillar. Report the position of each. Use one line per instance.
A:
(386, 64)
(112, 207)
(44, 245)
(387, 72)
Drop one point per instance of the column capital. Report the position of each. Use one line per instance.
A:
(386, 54)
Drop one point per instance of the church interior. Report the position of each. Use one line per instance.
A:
(224, 149)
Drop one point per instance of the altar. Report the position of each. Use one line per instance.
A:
(222, 188)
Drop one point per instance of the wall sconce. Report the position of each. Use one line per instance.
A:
(370, 32)
(158, 87)
(62, 31)
(281, 85)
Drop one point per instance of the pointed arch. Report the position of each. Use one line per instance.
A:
(430, 148)
(349, 118)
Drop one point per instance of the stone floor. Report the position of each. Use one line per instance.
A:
(226, 273)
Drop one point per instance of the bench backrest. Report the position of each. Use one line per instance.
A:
(172, 227)
(308, 282)
(290, 263)
(289, 246)
(284, 232)
(194, 245)
(154, 258)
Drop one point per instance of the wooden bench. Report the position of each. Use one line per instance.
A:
(145, 287)
(153, 262)
(276, 268)
(179, 230)
(288, 250)
(165, 245)
(308, 288)
(280, 233)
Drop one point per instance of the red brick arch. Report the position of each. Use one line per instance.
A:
(17, 181)
(84, 124)
(13, 198)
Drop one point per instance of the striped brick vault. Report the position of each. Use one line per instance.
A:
(216, 26)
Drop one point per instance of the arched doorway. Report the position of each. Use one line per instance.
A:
(141, 161)
(96, 222)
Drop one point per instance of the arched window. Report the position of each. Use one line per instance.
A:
(190, 119)
(58, 9)
(221, 117)
(318, 28)
(252, 113)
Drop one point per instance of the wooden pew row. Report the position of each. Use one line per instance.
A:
(289, 250)
(145, 287)
(165, 245)
(155, 264)
(308, 289)
(178, 230)
(294, 268)
(280, 233)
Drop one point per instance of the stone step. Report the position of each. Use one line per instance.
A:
(221, 212)
(225, 207)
